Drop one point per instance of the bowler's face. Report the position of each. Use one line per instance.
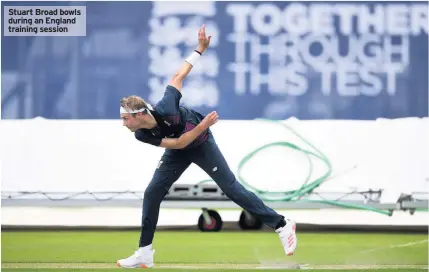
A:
(130, 121)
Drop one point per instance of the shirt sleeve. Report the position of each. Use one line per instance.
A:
(148, 138)
(169, 104)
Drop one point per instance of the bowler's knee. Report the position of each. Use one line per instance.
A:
(234, 190)
(154, 192)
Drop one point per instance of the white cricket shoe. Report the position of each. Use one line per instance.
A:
(288, 237)
(142, 258)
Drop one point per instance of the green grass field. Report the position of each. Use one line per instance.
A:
(223, 251)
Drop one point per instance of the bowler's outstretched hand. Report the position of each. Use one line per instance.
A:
(203, 40)
(210, 119)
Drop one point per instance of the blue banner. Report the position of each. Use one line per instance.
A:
(310, 60)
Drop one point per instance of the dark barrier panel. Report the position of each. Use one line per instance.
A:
(335, 60)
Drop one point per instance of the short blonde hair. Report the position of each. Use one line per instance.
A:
(133, 102)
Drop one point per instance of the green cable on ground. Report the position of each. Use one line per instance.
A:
(307, 187)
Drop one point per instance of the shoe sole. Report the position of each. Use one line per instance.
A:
(137, 266)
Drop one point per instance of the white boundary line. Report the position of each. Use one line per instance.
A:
(203, 266)
(395, 246)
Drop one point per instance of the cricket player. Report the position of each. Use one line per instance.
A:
(187, 139)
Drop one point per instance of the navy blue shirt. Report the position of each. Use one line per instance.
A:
(171, 111)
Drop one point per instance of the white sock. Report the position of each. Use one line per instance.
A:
(148, 247)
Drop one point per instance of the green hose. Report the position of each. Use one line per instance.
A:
(301, 194)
